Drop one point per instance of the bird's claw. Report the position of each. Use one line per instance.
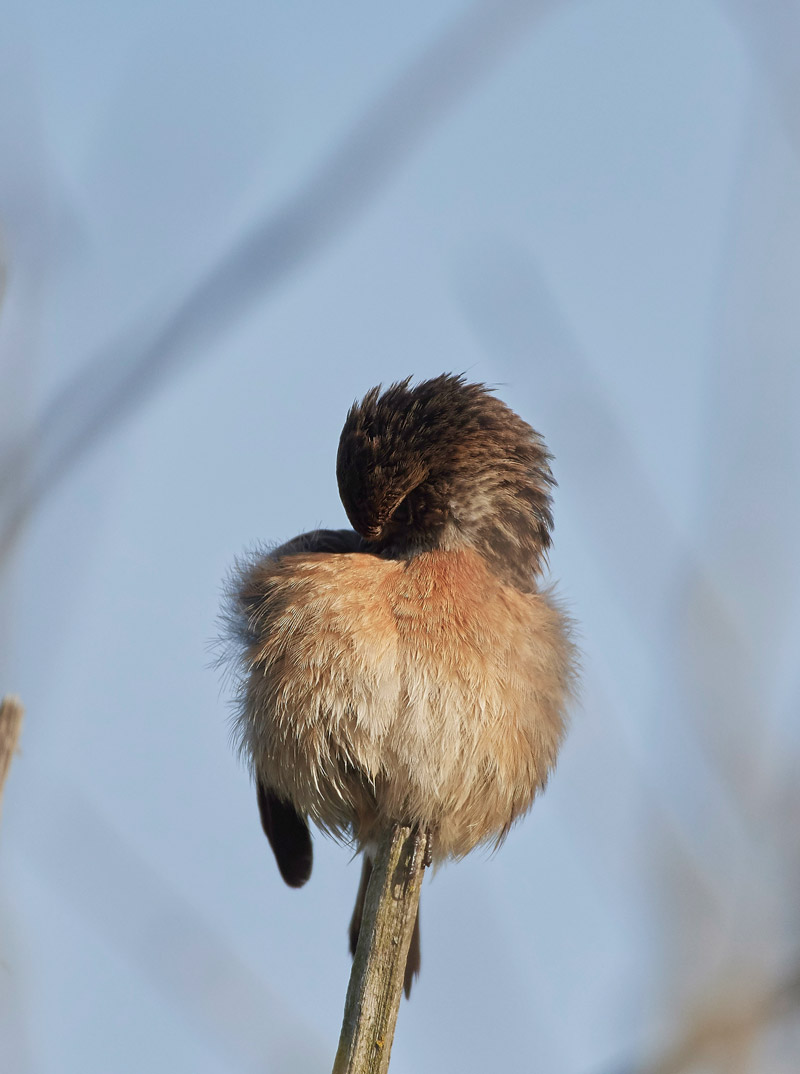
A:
(427, 860)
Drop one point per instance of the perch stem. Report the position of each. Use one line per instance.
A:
(376, 980)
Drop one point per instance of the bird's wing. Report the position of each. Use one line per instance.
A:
(335, 541)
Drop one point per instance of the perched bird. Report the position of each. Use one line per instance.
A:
(410, 669)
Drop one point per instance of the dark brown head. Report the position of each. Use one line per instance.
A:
(446, 464)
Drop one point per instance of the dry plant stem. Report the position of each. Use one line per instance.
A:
(376, 981)
(10, 722)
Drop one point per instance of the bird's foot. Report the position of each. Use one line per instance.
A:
(423, 841)
(427, 860)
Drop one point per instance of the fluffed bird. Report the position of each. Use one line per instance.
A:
(413, 669)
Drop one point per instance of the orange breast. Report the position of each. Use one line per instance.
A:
(423, 690)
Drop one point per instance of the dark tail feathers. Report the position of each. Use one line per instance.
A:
(288, 836)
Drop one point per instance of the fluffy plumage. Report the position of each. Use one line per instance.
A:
(410, 669)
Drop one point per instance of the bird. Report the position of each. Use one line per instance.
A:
(416, 668)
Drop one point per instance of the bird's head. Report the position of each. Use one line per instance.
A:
(446, 464)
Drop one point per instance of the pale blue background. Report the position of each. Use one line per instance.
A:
(603, 220)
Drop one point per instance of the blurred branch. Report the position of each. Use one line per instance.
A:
(727, 1034)
(11, 713)
(3, 271)
(124, 374)
(771, 33)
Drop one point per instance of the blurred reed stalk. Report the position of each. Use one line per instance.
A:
(11, 712)
(376, 980)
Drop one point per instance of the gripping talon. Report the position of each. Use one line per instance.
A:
(427, 861)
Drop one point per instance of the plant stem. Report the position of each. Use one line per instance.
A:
(376, 980)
